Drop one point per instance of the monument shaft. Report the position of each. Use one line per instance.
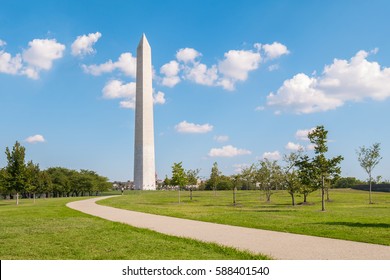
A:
(144, 164)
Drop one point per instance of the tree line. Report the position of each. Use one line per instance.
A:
(27, 180)
(298, 174)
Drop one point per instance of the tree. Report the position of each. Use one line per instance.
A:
(307, 175)
(214, 177)
(34, 179)
(292, 182)
(269, 176)
(192, 177)
(3, 189)
(179, 177)
(368, 159)
(323, 168)
(15, 171)
(236, 180)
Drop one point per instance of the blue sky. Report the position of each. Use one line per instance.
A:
(234, 81)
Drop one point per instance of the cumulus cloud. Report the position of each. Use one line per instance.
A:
(239, 167)
(83, 45)
(37, 57)
(2, 43)
(40, 56)
(302, 134)
(221, 138)
(126, 63)
(275, 50)
(238, 63)
(228, 151)
(42, 52)
(233, 68)
(117, 89)
(310, 147)
(343, 81)
(272, 155)
(127, 104)
(170, 71)
(9, 64)
(186, 127)
(200, 74)
(187, 55)
(293, 146)
(159, 98)
(35, 139)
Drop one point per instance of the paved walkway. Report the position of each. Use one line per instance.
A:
(278, 245)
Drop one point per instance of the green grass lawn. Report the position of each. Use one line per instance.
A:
(348, 216)
(50, 230)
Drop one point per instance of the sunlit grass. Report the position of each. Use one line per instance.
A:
(50, 230)
(348, 216)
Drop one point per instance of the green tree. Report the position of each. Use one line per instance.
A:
(214, 177)
(269, 176)
(307, 175)
(15, 171)
(324, 169)
(179, 177)
(192, 177)
(292, 182)
(368, 159)
(34, 179)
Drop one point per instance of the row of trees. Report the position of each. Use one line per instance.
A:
(299, 173)
(27, 180)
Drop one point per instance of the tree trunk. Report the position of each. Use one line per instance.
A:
(17, 198)
(369, 194)
(34, 197)
(234, 196)
(179, 195)
(304, 197)
(191, 194)
(323, 194)
(292, 199)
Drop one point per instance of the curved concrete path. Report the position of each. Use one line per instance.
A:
(278, 245)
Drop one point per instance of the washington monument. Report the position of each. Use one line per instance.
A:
(144, 166)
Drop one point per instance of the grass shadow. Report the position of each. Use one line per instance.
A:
(359, 225)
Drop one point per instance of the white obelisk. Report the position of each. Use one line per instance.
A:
(144, 165)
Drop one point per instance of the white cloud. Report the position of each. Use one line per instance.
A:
(200, 74)
(126, 63)
(342, 81)
(275, 50)
(272, 155)
(310, 147)
(3, 43)
(171, 71)
(273, 67)
(159, 98)
(35, 139)
(187, 55)
(238, 63)
(83, 45)
(239, 167)
(302, 134)
(293, 146)
(221, 138)
(260, 108)
(9, 64)
(127, 104)
(42, 52)
(228, 151)
(117, 89)
(186, 127)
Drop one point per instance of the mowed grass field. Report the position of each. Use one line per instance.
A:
(50, 230)
(348, 216)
